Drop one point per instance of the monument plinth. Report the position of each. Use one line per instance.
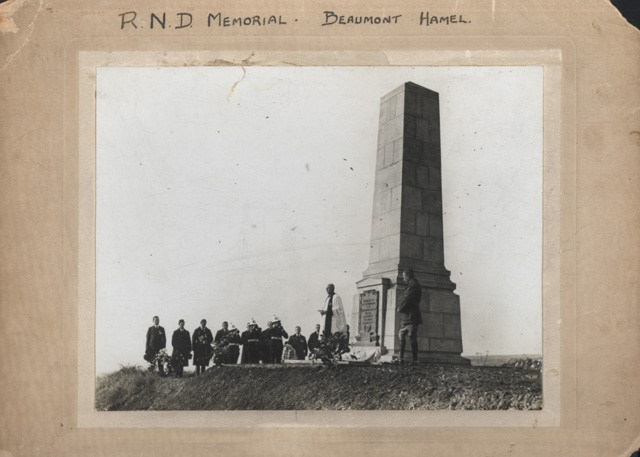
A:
(407, 232)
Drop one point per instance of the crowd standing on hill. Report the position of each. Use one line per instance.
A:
(265, 346)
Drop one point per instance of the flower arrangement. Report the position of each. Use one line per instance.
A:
(164, 359)
(331, 348)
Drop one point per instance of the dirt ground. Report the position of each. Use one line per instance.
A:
(318, 387)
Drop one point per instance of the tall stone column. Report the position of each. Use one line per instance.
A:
(407, 232)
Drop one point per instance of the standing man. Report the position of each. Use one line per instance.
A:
(314, 341)
(156, 340)
(410, 315)
(181, 343)
(233, 337)
(251, 343)
(333, 312)
(275, 341)
(299, 343)
(201, 342)
(220, 334)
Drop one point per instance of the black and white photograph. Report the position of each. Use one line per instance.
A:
(319, 238)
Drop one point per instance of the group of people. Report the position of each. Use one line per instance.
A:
(267, 345)
(258, 345)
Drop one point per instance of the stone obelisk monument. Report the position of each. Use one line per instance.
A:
(406, 232)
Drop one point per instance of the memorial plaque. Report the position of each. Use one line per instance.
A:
(368, 315)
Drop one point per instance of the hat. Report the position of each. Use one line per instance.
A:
(275, 319)
(233, 328)
(252, 323)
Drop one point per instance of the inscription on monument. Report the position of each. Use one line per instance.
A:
(368, 315)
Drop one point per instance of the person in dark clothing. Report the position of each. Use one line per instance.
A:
(156, 340)
(181, 342)
(275, 341)
(201, 343)
(265, 344)
(234, 339)
(410, 315)
(251, 343)
(299, 343)
(314, 341)
(220, 334)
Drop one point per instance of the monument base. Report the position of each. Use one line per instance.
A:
(377, 322)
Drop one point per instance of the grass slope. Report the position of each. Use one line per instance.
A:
(322, 388)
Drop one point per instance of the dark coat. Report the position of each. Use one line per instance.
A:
(156, 340)
(409, 307)
(299, 343)
(314, 342)
(251, 345)
(181, 342)
(220, 334)
(201, 343)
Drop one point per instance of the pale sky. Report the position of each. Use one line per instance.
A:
(229, 198)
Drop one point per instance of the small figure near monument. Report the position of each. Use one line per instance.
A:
(181, 342)
(276, 333)
(299, 343)
(333, 312)
(251, 343)
(156, 340)
(410, 315)
(314, 341)
(201, 343)
(233, 337)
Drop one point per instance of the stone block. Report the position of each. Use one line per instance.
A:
(451, 324)
(409, 174)
(384, 109)
(399, 98)
(391, 131)
(422, 177)
(432, 202)
(389, 247)
(388, 177)
(409, 127)
(435, 225)
(411, 198)
(442, 301)
(431, 154)
(445, 345)
(408, 221)
(392, 105)
(433, 325)
(414, 151)
(411, 246)
(422, 224)
(412, 103)
(422, 130)
(388, 155)
(374, 251)
(433, 251)
(396, 197)
(382, 202)
(397, 150)
(385, 224)
(435, 178)
(380, 158)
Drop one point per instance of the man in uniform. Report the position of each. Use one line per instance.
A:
(156, 340)
(299, 343)
(314, 341)
(251, 343)
(275, 341)
(410, 315)
(265, 344)
(233, 337)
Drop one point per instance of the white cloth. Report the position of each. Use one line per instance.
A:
(338, 320)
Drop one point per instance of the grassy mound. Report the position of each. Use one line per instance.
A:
(286, 387)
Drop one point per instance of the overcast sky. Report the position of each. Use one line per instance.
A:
(229, 194)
